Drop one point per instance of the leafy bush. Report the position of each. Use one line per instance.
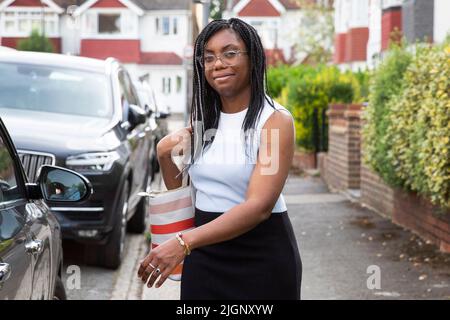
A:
(387, 82)
(36, 42)
(420, 126)
(307, 91)
(407, 137)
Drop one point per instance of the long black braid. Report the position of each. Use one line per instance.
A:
(206, 103)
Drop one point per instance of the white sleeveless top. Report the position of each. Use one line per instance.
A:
(222, 173)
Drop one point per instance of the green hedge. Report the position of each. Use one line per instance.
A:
(307, 91)
(36, 42)
(407, 138)
(387, 82)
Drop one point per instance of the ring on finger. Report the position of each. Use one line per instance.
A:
(158, 271)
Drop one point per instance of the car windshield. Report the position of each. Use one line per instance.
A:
(55, 90)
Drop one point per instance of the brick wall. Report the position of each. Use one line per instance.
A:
(420, 216)
(322, 165)
(304, 160)
(376, 194)
(126, 50)
(356, 44)
(339, 48)
(14, 42)
(344, 158)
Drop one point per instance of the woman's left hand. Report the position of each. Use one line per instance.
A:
(160, 262)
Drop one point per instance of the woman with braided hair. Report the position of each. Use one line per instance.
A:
(243, 246)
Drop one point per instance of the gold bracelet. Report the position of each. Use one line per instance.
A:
(187, 250)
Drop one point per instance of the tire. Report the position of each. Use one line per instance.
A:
(137, 223)
(60, 292)
(110, 255)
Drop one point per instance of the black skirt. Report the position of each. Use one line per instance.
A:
(262, 264)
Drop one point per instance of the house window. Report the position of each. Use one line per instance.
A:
(9, 19)
(165, 25)
(178, 84)
(21, 23)
(157, 25)
(175, 25)
(108, 23)
(24, 22)
(166, 85)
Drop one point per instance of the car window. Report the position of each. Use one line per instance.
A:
(8, 183)
(124, 96)
(54, 90)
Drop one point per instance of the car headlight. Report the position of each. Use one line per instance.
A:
(95, 161)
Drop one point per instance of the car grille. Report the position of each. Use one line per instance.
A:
(32, 161)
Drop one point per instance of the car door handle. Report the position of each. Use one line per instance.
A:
(5, 272)
(34, 246)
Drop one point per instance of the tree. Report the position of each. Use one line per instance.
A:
(315, 35)
(217, 7)
(36, 42)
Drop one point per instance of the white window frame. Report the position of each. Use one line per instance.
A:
(126, 17)
(173, 26)
(267, 25)
(166, 85)
(51, 16)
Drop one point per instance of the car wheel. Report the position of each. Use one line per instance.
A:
(137, 223)
(60, 292)
(110, 255)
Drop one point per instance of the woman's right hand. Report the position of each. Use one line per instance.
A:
(174, 144)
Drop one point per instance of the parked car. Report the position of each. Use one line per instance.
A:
(83, 114)
(6, 49)
(158, 118)
(31, 253)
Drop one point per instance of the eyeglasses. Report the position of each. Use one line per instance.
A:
(228, 58)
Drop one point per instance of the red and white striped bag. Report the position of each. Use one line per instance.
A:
(171, 211)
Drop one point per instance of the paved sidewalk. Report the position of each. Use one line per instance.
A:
(341, 244)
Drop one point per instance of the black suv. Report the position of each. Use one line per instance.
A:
(83, 114)
(30, 236)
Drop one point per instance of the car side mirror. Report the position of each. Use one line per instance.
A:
(148, 111)
(55, 184)
(162, 115)
(137, 115)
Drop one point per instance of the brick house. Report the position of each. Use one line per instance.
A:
(19, 17)
(151, 37)
(275, 21)
(365, 28)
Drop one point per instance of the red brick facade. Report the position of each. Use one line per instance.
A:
(108, 4)
(127, 51)
(13, 43)
(356, 44)
(160, 58)
(339, 48)
(391, 26)
(417, 214)
(376, 194)
(27, 3)
(259, 8)
(344, 158)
